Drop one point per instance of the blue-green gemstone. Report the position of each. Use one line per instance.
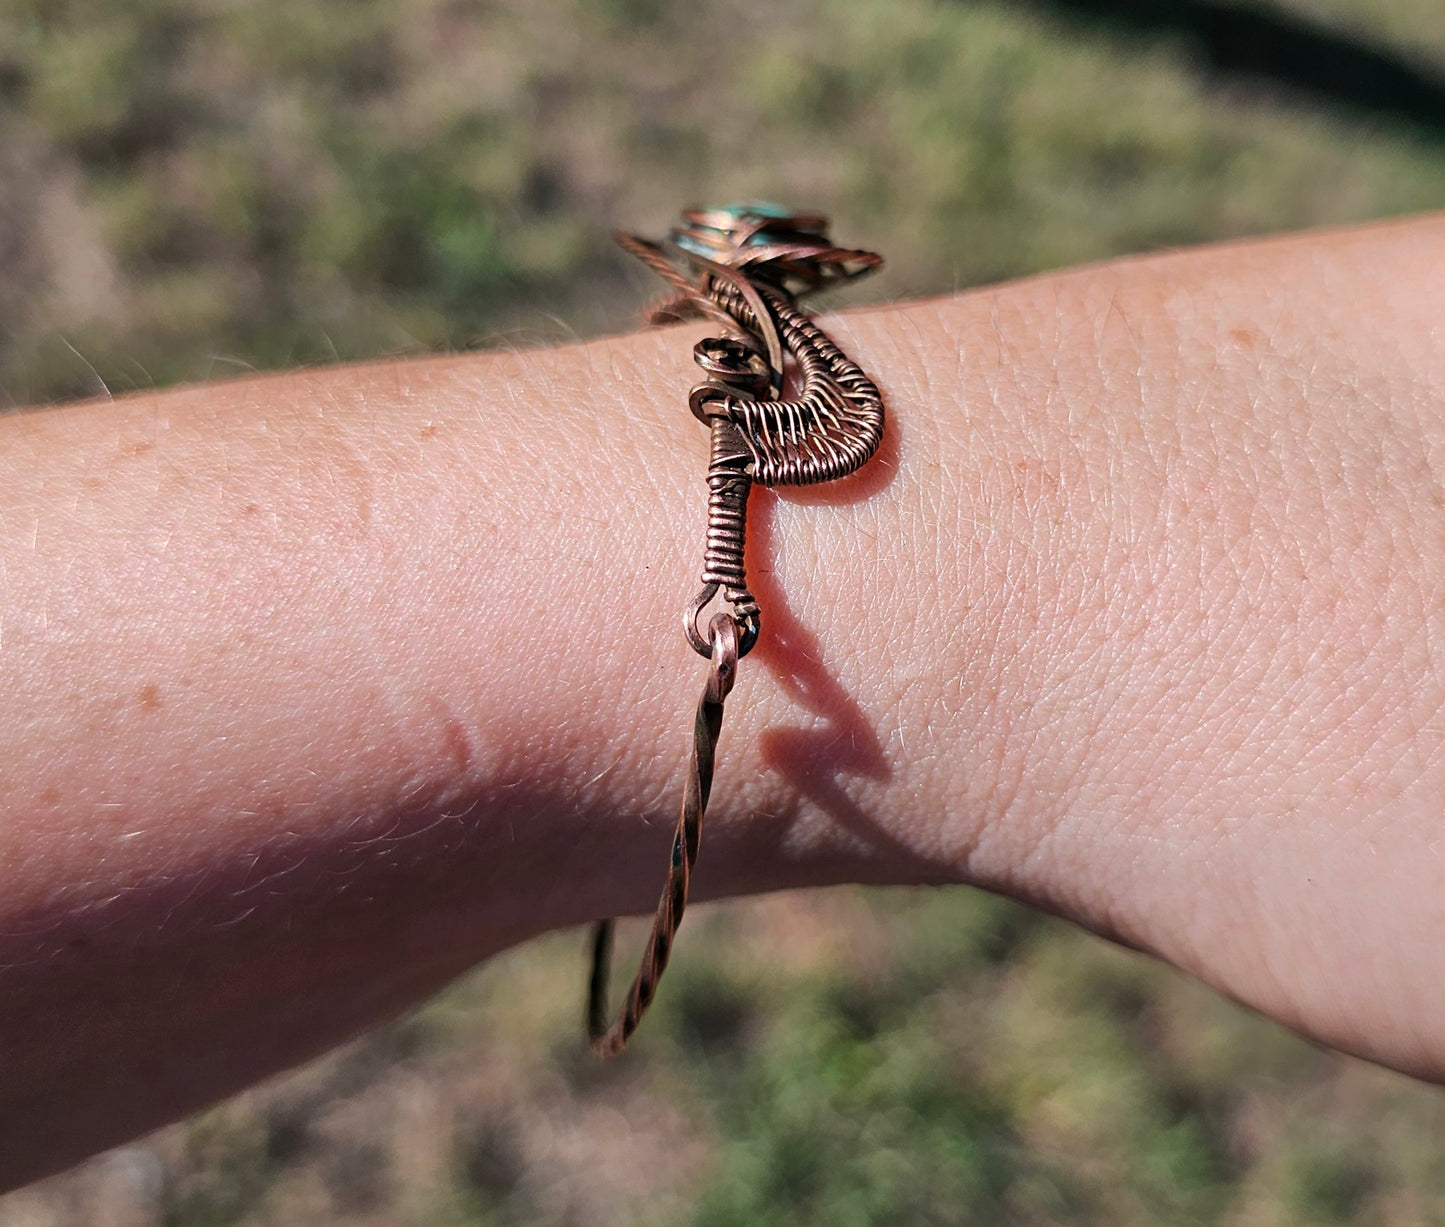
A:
(708, 241)
(755, 208)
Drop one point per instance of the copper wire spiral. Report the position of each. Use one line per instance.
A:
(743, 267)
(728, 485)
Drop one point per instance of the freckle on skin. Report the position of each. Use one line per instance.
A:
(149, 697)
(51, 796)
(251, 509)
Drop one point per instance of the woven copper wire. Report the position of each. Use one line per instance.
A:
(833, 426)
(744, 268)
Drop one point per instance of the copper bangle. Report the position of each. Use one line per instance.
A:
(744, 267)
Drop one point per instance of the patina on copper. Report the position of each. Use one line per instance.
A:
(745, 267)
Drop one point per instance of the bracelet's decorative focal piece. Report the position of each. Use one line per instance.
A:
(746, 267)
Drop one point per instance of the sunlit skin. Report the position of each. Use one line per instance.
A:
(321, 687)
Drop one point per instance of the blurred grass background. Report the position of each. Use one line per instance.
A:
(191, 188)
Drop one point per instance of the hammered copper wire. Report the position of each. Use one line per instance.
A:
(757, 263)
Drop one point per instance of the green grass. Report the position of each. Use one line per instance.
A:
(189, 189)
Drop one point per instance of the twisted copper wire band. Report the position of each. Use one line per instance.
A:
(609, 1041)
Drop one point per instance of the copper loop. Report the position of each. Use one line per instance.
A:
(708, 401)
(733, 361)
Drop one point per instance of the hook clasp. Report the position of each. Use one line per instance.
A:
(747, 620)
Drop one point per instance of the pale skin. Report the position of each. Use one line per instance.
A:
(321, 687)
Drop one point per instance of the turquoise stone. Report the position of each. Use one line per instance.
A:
(705, 240)
(755, 208)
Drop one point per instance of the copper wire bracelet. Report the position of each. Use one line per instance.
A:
(744, 267)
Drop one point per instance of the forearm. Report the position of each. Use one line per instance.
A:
(321, 687)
